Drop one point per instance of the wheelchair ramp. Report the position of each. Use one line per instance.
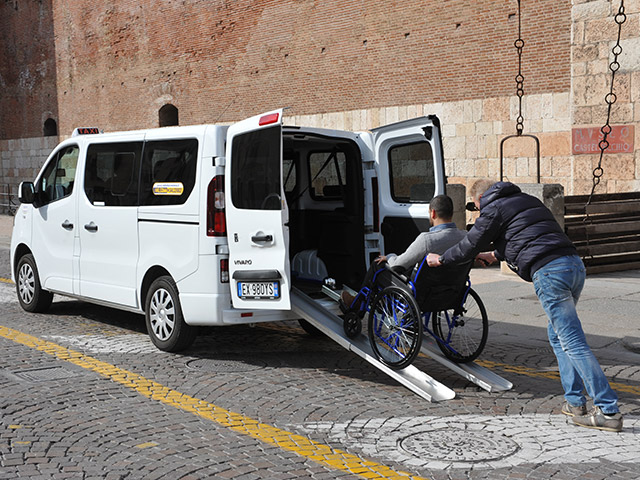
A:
(481, 376)
(317, 313)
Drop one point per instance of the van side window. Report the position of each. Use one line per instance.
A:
(255, 169)
(111, 174)
(168, 171)
(412, 173)
(58, 177)
(328, 172)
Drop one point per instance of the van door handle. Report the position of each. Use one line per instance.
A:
(91, 227)
(262, 238)
(67, 225)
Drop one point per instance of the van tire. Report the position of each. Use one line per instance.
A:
(164, 319)
(31, 296)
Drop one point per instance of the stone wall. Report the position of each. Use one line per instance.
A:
(472, 131)
(593, 37)
(22, 158)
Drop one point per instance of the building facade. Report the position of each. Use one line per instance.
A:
(351, 64)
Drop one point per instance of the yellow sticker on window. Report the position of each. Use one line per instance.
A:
(168, 188)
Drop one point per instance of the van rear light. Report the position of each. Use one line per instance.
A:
(224, 270)
(268, 119)
(216, 220)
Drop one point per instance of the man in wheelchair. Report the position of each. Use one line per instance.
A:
(442, 235)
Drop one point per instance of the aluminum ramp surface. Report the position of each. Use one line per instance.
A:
(481, 376)
(331, 325)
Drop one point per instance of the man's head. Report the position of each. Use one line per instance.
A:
(440, 210)
(478, 189)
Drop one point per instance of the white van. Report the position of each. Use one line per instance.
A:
(211, 225)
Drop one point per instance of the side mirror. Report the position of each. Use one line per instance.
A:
(26, 192)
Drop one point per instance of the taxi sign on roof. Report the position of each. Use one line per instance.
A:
(85, 131)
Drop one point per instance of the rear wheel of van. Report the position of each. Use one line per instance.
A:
(163, 314)
(31, 296)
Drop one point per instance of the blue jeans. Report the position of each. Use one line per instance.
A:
(558, 286)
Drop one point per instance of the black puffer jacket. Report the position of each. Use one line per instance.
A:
(523, 230)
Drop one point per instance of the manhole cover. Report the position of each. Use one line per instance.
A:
(456, 446)
(48, 373)
(227, 365)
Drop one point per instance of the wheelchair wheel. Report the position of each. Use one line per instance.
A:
(352, 324)
(462, 333)
(395, 327)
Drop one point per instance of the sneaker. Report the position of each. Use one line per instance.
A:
(572, 411)
(596, 419)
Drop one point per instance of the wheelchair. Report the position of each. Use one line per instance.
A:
(401, 308)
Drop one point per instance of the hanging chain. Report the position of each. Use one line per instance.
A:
(519, 44)
(610, 98)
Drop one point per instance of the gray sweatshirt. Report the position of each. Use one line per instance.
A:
(437, 240)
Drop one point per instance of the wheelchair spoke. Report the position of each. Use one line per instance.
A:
(462, 336)
(395, 331)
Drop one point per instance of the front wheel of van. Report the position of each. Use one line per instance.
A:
(31, 296)
(163, 314)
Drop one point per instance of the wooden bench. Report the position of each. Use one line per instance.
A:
(607, 231)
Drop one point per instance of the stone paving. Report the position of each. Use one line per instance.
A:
(59, 420)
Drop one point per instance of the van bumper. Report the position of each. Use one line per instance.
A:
(205, 309)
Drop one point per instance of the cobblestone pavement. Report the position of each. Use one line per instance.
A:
(86, 395)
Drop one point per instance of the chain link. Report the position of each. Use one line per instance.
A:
(519, 44)
(610, 98)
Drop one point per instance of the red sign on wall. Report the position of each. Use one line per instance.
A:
(587, 140)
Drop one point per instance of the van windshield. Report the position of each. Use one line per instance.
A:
(255, 170)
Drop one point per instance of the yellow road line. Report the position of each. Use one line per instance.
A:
(6, 280)
(303, 446)
(531, 372)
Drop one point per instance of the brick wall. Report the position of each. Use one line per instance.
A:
(28, 94)
(118, 63)
(358, 65)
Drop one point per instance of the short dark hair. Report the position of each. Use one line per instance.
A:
(443, 206)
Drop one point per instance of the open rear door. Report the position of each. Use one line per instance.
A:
(410, 173)
(256, 214)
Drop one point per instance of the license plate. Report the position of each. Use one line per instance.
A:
(259, 290)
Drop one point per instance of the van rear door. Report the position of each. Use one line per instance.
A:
(256, 214)
(410, 173)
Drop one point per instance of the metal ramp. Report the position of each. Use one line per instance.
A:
(481, 376)
(318, 313)
(331, 325)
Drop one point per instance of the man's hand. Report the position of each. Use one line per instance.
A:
(433, 260)
(380, 259)
(486, 258)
